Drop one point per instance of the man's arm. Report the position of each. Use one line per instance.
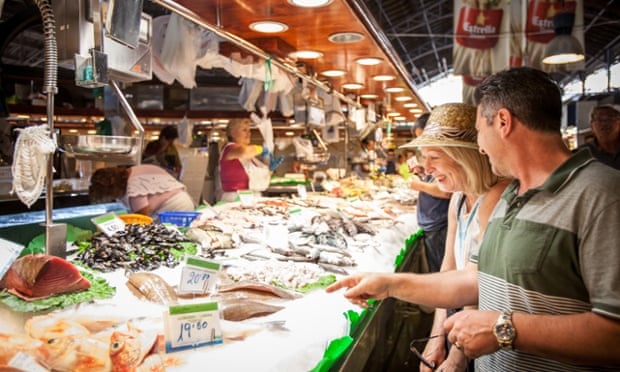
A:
(449, 289)
(585, 338)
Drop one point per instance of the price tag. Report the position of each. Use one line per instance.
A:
(109, 224)
(198, 275)
(191, 326)
(8, 255)
(302, 192)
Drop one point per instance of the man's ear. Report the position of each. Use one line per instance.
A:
(506, 121)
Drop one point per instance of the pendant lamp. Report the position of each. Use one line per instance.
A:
(564, 48)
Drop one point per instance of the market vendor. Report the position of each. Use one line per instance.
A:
(243, 166)
(146, 189)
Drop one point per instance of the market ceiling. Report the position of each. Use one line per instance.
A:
(412, 39)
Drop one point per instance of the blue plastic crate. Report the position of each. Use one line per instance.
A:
(181, 219)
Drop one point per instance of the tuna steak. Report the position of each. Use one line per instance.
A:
(40, 276)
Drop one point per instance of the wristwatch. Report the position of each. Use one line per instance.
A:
(505, 331)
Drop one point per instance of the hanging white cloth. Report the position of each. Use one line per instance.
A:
(32, 150)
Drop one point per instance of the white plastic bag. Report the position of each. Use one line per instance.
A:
(259, 175)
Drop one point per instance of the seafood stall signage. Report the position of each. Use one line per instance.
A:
(109, 224)
(198, 275)
(8, 255)
(192, 326)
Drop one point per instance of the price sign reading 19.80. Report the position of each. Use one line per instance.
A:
(191, 326)
(109, 224)
(198, 276)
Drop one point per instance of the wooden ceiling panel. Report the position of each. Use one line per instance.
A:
(309, 29)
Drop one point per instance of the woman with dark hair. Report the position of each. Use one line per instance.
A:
(163, 152)
(145, 189)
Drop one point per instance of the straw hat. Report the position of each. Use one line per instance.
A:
(451, 124)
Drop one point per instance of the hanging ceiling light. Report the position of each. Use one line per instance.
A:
(333, 73)
(268, 27)
(305, 54)
(564, 47)
(309, 3)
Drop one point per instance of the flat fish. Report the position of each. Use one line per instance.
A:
(246, 309)
(152, 287)
(39, 276)
(276, 291)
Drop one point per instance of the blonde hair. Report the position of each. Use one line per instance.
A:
(479, 177)
(232, 125)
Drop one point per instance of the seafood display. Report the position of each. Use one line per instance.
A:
(210, 238)
(259, 287)
(246, 309)
(283, 274)
(271, 256)
(62, 343)
(151, 287)
(40, 276)
(137, 247)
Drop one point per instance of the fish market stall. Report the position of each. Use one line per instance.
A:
(268, 311)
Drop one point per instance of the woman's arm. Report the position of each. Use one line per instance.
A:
(238, 151)
(430, 188)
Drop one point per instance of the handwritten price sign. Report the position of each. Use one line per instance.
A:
(191, 326)
(198, 275)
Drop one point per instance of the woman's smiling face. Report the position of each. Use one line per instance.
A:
(241, 133)
(447, 172)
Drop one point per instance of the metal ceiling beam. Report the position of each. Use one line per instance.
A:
(384, 43)
(403, 47)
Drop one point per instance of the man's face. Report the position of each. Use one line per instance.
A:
(605, 123)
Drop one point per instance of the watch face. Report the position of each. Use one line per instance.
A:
(505, 332)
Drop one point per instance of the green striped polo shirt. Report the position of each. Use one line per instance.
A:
(553, 250)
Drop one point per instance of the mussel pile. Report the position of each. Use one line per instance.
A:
(137, 248)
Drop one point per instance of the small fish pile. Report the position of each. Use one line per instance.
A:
(137, 247)
(211, 239)
(284, 274)
(59, 343)
(39, 276)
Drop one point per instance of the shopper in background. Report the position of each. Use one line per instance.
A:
(432, 207)
(605, 124)
(390, 162)
(547, 283)
(369, 162)
(145, 189)
(235, 159)
(163, 151)
(451, 156)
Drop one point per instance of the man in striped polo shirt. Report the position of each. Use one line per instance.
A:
(548, 279)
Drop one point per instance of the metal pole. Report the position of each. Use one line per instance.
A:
(132, 117)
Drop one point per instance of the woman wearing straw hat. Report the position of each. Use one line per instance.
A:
(448, 146)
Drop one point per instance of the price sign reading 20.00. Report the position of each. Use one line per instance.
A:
(191, 326)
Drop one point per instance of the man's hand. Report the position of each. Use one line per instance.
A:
(472, 331)
(363, 287)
